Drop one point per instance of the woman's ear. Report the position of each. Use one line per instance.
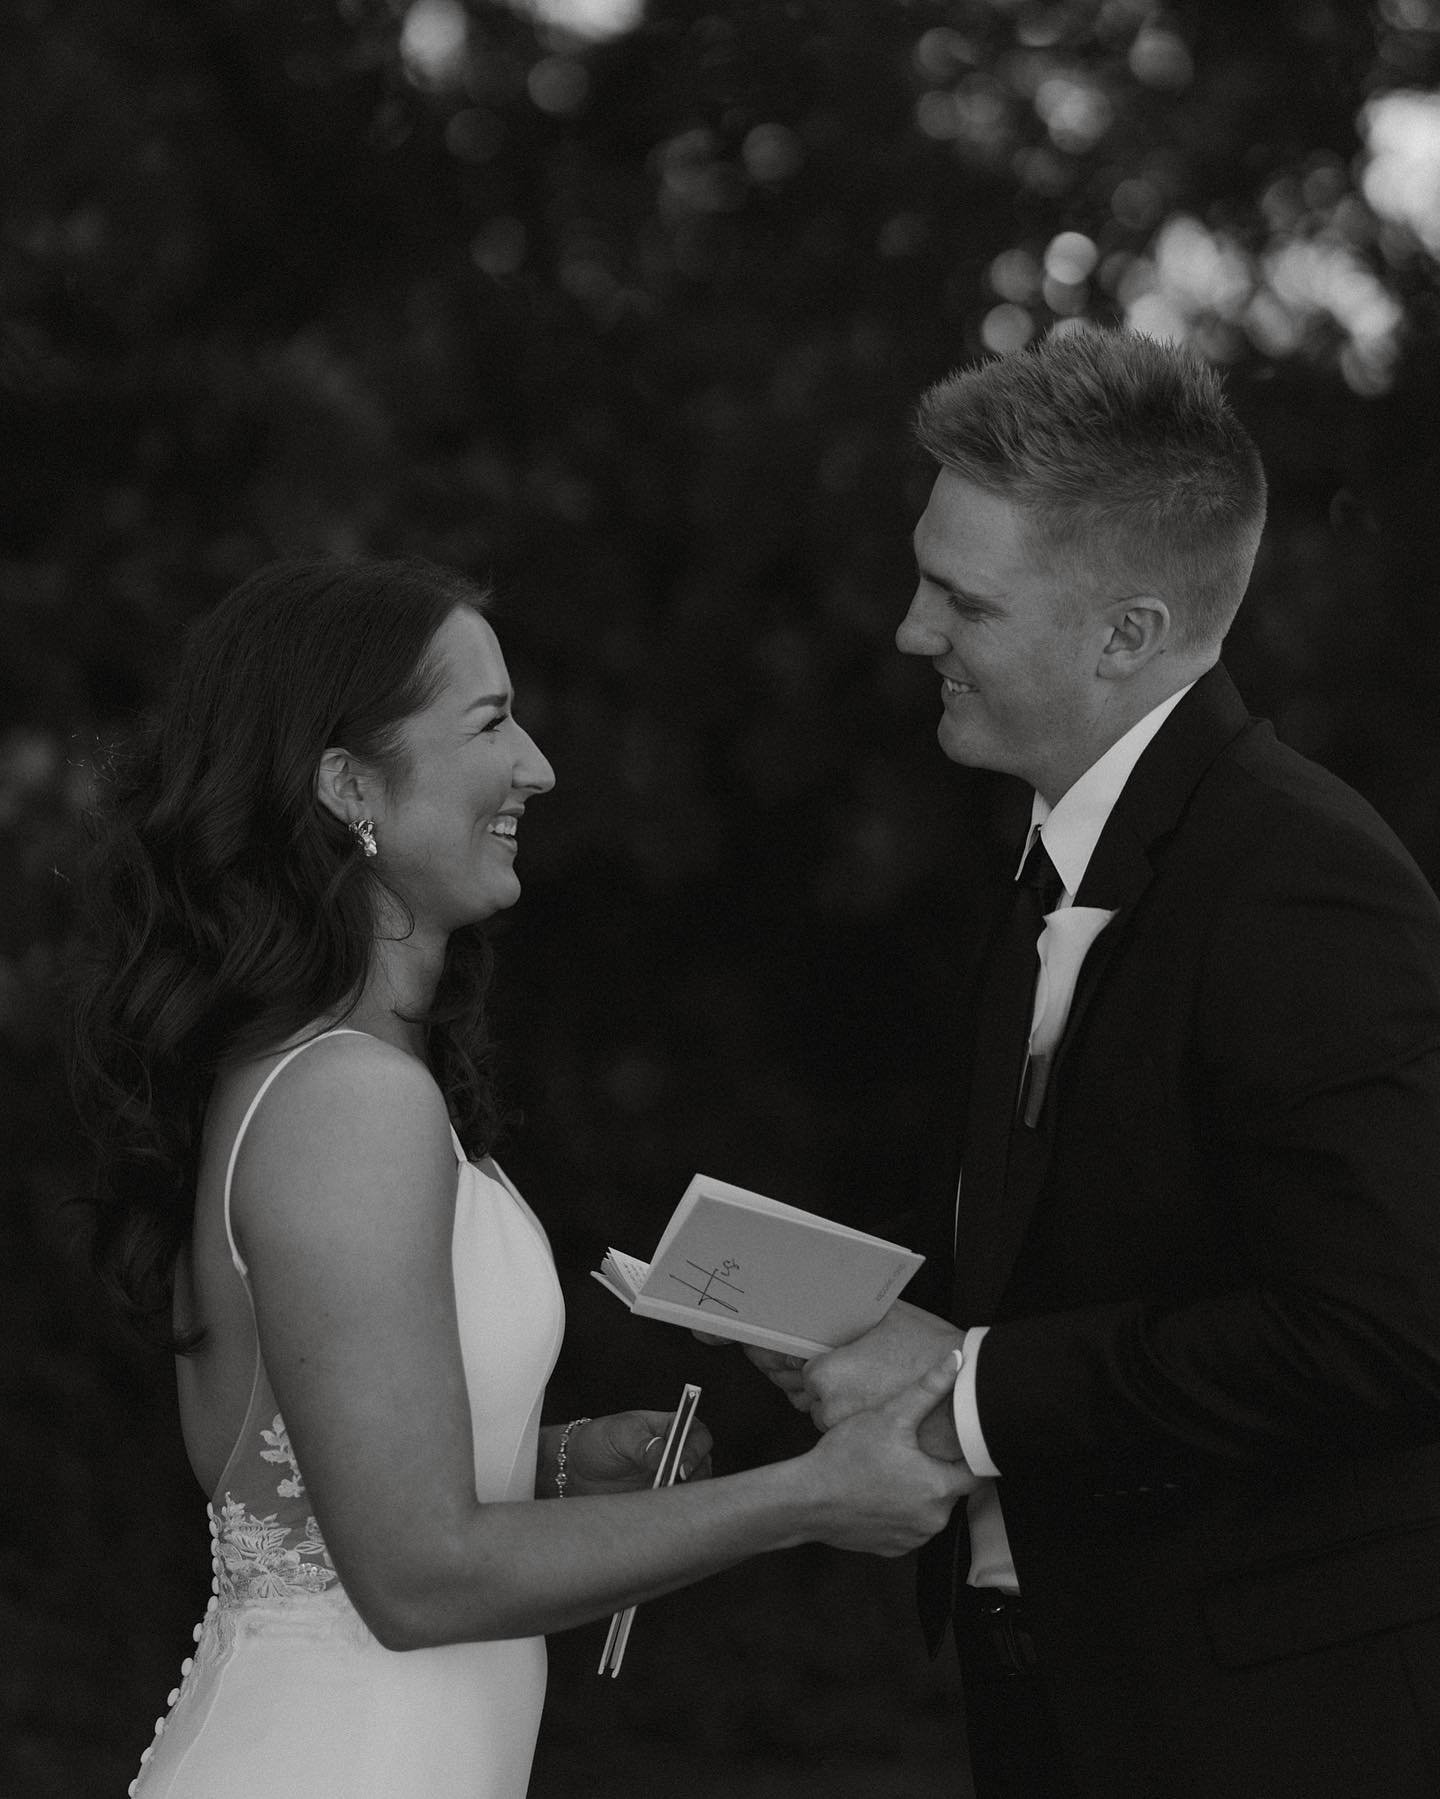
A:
(342, 786)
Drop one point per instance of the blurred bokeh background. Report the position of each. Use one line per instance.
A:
(623, 306)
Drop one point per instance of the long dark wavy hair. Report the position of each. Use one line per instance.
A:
(226, 909)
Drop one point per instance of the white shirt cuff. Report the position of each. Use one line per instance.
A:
(967, 1417)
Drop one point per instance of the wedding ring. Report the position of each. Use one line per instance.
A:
(647, 1448)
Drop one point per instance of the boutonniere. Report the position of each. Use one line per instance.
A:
(1064, 944)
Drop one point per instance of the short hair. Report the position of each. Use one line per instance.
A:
(1125, 455)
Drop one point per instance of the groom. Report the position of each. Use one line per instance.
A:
(1193, 1121)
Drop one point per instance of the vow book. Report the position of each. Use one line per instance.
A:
(738, 1265)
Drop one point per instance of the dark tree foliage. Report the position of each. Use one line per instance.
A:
(631, 325)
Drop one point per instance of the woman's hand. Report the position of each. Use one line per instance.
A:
(881, 1492)
(620, 1453)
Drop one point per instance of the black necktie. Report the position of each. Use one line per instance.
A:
(1006, 1007)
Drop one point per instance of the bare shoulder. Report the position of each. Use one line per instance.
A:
(351, 1131)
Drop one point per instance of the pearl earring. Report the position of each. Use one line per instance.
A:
(363, 831)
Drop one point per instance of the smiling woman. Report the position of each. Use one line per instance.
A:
(445, 820)
(228, 910)
(279, 1045)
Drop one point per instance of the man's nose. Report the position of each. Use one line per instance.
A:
(918, 634)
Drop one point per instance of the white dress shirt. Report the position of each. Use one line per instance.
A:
(1069, 830)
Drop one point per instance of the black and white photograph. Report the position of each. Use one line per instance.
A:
(719, 944)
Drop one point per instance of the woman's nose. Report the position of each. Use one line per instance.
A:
(533, 768)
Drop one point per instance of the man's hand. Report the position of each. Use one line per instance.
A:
(937, 1435)
(861, 1375)
(787, 1372)
(866, 1373)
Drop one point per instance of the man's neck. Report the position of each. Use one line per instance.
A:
(1129, 708)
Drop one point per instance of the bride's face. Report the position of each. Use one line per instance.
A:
(448, 826)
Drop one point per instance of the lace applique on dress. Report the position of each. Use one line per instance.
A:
(276, 1554)
(280, 1451)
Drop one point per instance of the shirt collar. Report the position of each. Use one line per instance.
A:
(1071, 828)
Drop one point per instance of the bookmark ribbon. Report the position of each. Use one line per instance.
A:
(665, 1476)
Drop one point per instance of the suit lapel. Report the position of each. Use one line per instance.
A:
(1151, 804)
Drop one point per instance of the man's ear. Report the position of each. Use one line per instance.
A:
(1139, 629)
(344, 786)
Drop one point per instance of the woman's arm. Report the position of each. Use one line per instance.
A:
(344, 1205)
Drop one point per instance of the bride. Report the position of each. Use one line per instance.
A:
(279, 1046)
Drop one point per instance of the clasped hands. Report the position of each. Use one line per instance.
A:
(861, 1375)
(620, 1453)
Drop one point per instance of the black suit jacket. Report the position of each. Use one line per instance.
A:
(1212, 1378)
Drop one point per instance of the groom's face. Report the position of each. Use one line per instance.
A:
(1015, 647)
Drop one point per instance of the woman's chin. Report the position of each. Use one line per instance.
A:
(498, 897)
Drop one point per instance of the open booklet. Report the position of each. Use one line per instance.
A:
(739, 1265)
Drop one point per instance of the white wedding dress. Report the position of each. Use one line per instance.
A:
(287, 1690)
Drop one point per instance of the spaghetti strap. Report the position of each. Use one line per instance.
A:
(250, 1110)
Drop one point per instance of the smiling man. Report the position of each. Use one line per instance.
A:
(1043, 665)
(1190, 1186)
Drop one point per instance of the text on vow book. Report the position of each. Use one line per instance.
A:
(739, 1265)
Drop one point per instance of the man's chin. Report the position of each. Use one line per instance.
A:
(958, 744)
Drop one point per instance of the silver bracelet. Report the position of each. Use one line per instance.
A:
(562, 1473)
